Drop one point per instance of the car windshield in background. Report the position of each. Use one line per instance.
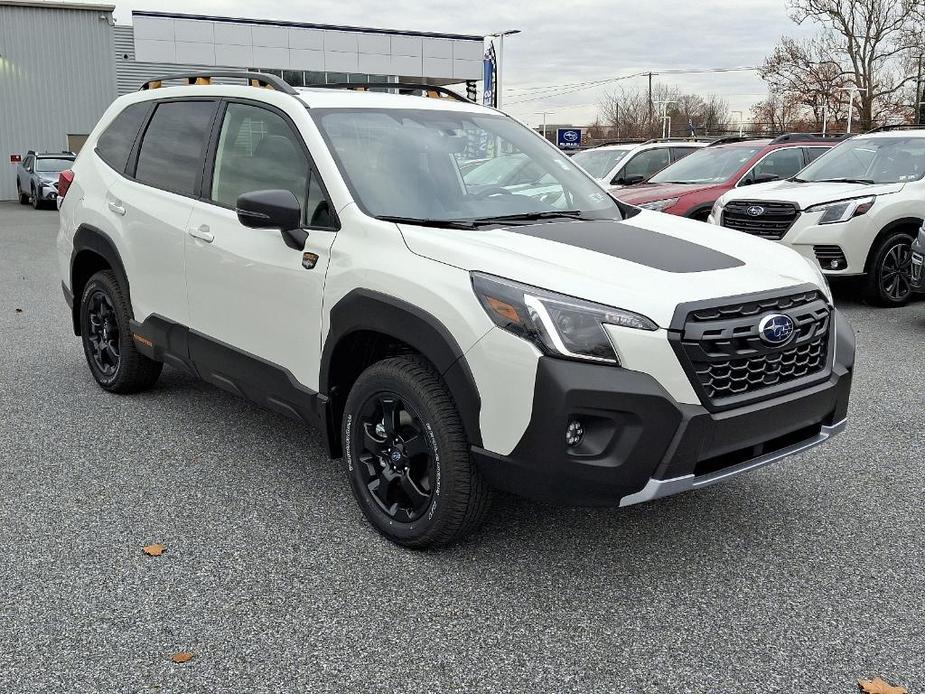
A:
(870, 160)
(707, 165)
(599, 162)
(434, 166)
(43, 165)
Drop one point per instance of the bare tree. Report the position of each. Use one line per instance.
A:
(873, 42)
(627, 112)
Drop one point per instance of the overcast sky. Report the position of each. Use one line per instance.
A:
(563, 42)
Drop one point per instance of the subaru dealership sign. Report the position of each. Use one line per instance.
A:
(568, 138)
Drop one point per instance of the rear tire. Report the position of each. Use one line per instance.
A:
(408, 456)
(889, 282)
(116, 365)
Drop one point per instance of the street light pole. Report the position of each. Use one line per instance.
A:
(852, 90)
(741, 119)
(665, 119)
(544, 114)
(499, 58)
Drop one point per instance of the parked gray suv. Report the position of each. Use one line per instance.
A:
(37, 177)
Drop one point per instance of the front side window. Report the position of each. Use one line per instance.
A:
(258, 150)
(174, 145)
(778, 165)
(115, 144)
(813, 153)
(707, 165)
(646, 163)
(453, 166)
(870, 160)
(599, 162)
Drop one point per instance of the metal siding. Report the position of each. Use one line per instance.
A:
(56, 78)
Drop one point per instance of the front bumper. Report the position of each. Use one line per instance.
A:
(640, 444)
(47, 192)
(918, 263)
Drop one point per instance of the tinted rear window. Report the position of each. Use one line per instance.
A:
(116, 142)
(174, 146)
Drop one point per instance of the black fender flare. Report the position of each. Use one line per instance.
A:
(885, 231)
(88, 238)
(700, 208)
(367, 310)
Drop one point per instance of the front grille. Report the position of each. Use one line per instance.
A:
(830, 257)
(728, 362)
(769, 220)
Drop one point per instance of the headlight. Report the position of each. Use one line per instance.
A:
(559, 325)
(843, 210)
(659, 205)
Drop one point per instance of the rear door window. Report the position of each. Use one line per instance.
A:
(115, 144)
(174, 146)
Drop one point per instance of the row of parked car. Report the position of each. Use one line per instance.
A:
(854, 205)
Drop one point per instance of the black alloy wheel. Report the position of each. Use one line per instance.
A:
(103, 333)
(396, 462)
(896, 272)
(36, 203)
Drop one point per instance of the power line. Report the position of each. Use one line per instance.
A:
(564, 89)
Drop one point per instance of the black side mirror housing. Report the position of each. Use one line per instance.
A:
(273, 209)
(632, 180)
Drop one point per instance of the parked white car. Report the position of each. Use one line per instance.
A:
(856, 211)
(630, 163)
(319, 252)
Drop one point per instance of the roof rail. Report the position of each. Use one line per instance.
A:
(807, 137)
(674, 139)
(254, 79)
(896, 126)
(427, 90)
(731, 139)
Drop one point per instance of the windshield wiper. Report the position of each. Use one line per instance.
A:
(531, 217)
(797, 179)
(843, 180)
(423, 222)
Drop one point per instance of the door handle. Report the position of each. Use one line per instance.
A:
(116, 207)
(202, 233)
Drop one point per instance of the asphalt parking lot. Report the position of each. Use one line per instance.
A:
(801, 577)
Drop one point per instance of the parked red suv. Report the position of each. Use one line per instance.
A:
(690, 186)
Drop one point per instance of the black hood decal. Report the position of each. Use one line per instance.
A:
(633, 243)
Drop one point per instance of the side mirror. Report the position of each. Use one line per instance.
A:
(632, 180)
(273, 209)
(763, 178)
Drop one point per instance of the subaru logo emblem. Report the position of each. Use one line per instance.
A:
(570, 135)
(395, 456)
(775, 328)
(755, 211)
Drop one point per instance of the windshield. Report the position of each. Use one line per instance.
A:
(416, 164)
(53, 165)
(870, 160)
(599, 162)
(707, 165)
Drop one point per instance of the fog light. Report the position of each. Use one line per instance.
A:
(575, 433)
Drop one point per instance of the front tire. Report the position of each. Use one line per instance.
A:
(889, 282)
(23, 198)
(36, 203)
(408, 456)
(107, 339)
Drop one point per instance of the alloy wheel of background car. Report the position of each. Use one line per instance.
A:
(891, 281)
(408, 456)
(395, 461)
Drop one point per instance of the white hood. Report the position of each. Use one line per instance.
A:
(808, 194)
(649, 263)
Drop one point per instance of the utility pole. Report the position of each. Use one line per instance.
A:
(650, 97)
(499, 58)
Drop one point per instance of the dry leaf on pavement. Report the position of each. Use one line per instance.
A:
(154, 550)
(182, 657)
(880, 686)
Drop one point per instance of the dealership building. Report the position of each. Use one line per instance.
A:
(62, 64)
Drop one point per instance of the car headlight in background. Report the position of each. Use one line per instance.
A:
(559, 325)
(659, 205)
(843, 210)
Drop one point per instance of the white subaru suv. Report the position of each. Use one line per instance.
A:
(629, 163)
(319, 253)
(855, 210)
